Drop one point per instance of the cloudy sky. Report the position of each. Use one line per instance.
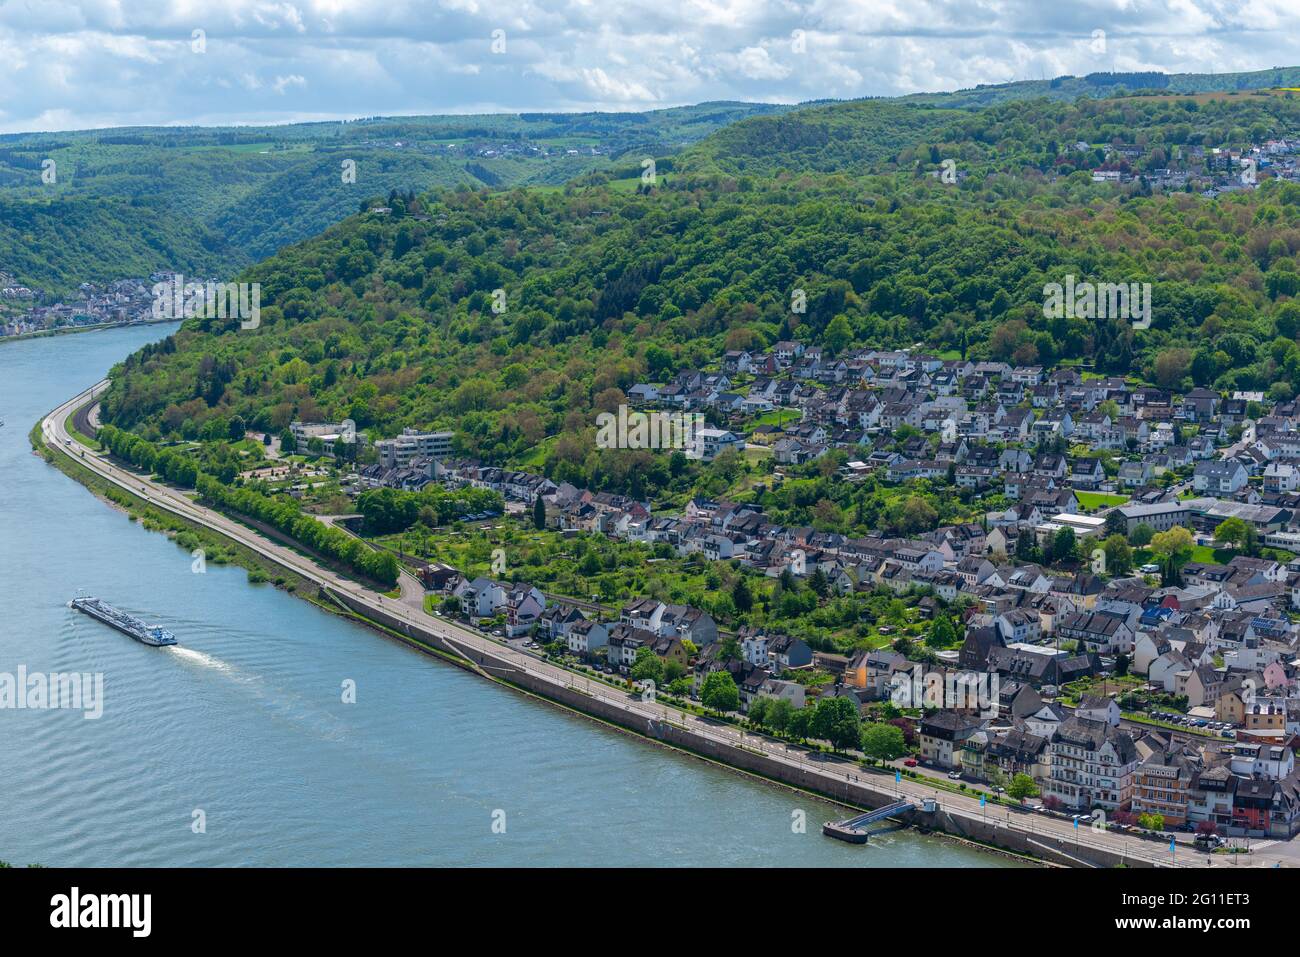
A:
(73, 64)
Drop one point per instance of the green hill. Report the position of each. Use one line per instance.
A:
(388, 320)
(1016, 135)
(258, 188)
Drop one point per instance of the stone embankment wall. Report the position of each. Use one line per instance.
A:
(959, 823)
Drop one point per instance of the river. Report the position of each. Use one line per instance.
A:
(236, 747)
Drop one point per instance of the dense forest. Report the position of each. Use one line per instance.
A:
(59, 243)
(211, 201)
(1019, 136)
(389, 319)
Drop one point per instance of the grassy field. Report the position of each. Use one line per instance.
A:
(85, 440)
(1200, 553)
(1091, 501)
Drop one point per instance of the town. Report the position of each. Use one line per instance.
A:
(24, 311)
(1209, 172)
(1129, 595)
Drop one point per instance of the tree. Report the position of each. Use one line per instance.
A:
(539, 513)
(1171, 366)
(837, 720)
(1119, 555)
(918, 515)
(906, 727)
(838, 335)
(719, 692)
(1172, 548)
(741, 596)
(1152, 822)
(1116, 523)
(288, 442)
(779, 714)
(1026, 548)
(1141, 536)
(759, 709)
(1232, 531)
(237, 429)
(1063, 544)
(883, 742)
(818, 583)
(647, 667)
(800, 723)
(1022, 786)
(1176, 544)
(729, 649)
(942, 633)
(1250, 543)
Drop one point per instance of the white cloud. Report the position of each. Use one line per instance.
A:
(283, 83)
(605, 88)
(754, 63)
(107, 62)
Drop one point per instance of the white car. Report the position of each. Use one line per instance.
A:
(1149, 569)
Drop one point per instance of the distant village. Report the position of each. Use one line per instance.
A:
(1209, 172)
(24, 310)
(489, 149)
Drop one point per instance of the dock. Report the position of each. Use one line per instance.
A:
(856, 830)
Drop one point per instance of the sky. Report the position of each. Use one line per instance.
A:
(98, 63)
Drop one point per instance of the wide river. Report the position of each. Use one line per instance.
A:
(243, 729)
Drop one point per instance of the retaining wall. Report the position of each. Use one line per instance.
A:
(858, 793)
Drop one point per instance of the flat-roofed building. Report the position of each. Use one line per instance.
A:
(398, 452)
(1159, 517)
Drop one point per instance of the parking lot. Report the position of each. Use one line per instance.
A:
(1223, 729)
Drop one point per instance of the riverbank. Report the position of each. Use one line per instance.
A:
(90, 327)
(217, 549)
(812, 772)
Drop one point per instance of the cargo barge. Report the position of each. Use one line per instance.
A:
(152, 635)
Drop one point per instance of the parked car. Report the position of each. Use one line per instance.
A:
(910, 763)
(954, 775)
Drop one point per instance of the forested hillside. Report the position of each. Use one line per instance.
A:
(389, 320)
(63, 242)
(210, 201)
(1038, 135)
(218, 199)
